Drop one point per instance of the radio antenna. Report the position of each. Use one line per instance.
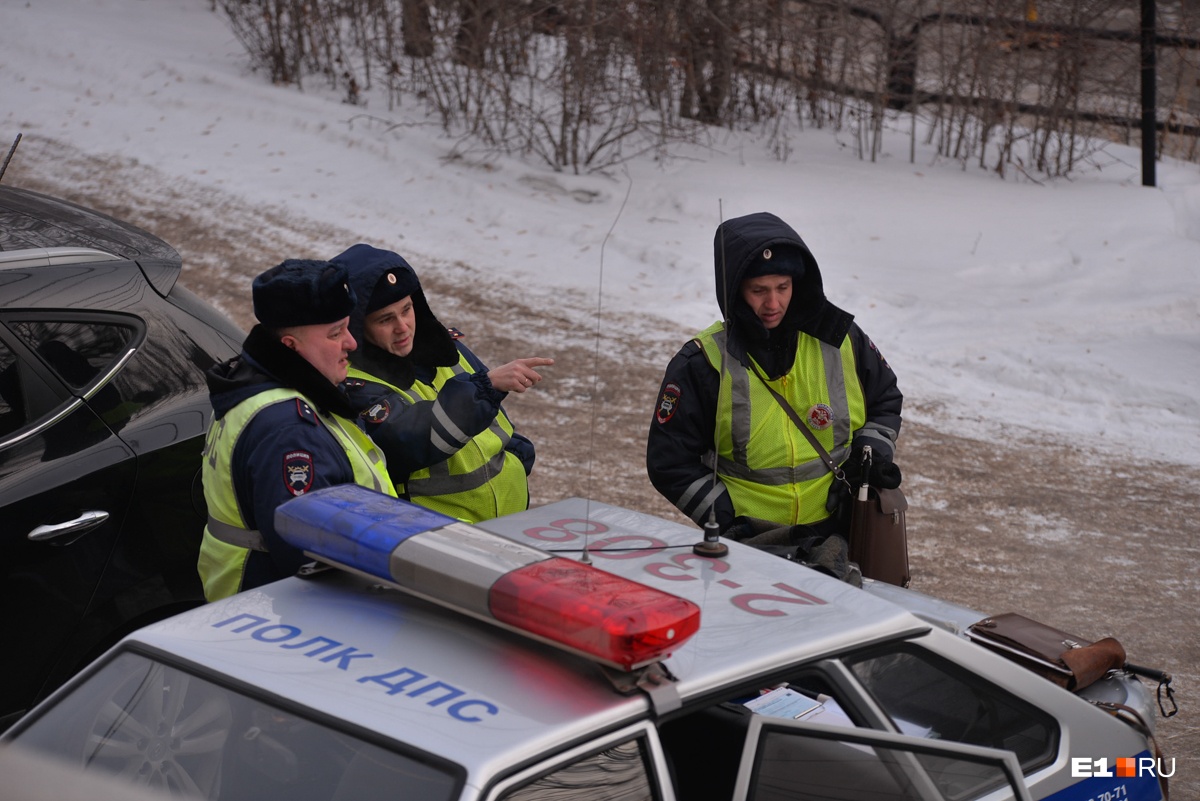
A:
(711, 545)
(8, 158)
(585, 557)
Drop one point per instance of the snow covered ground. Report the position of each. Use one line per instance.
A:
(1068, 308)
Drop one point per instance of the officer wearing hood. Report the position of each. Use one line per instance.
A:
(282, 426)
(770, 486)
(430, 403)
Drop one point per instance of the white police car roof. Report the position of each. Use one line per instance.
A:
(487, 698)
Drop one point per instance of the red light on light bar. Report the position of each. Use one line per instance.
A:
(609, 618)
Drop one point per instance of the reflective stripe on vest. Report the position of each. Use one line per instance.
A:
(249, 538)
(479, 479)
(769, 468)
(227, 540)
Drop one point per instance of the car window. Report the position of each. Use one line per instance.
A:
(12, 405)
(795, 761)
(125, 367)
(931, 697)
(77, 351)
(619, 773)
(166, 728)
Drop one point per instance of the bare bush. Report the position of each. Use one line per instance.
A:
(1030, 86)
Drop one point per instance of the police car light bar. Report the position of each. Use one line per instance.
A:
(559, 601)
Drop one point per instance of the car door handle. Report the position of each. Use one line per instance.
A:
(80, 525)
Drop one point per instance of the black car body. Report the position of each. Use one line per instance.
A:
(103, 413)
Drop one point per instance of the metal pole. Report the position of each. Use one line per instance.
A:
(1149, 94)
(8, 158)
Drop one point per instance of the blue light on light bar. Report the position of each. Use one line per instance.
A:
(354, 526)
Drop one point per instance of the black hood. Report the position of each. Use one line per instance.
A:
(432, 345)
(738, 244)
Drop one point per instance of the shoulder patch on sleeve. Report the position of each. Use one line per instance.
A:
(376, 412)
(668, 403)
(878, 353)
(298, 471)
(454, 333)
(306, 413)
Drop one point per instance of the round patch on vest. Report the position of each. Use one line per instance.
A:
(668, 403)
(376, 413)
(820, 416)
(298, 472)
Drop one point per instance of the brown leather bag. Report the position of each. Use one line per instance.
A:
(1065, 659)
(878, 537)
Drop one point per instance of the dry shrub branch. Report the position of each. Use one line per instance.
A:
(1015, 86)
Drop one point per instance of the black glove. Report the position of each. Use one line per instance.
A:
(884, 474)
(882, 448)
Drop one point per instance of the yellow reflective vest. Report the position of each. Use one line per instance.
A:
(227, 539)
(768, 466)
(479, 479)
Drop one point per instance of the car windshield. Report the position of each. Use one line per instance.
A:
(929, 697)
(162, 727)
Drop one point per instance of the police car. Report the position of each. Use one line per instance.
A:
(579, 650)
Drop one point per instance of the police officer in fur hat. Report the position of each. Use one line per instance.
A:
(429, 402)
(282, 425)
(770, 486)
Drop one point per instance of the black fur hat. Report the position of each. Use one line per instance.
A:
(302, 292)
(782, 259)
(393, 286)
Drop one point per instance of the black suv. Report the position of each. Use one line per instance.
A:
(103, 412)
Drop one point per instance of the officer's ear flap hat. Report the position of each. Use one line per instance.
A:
(294, 293)
(393, 286)
(781, 259)
(302, 292)
(381, 278)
